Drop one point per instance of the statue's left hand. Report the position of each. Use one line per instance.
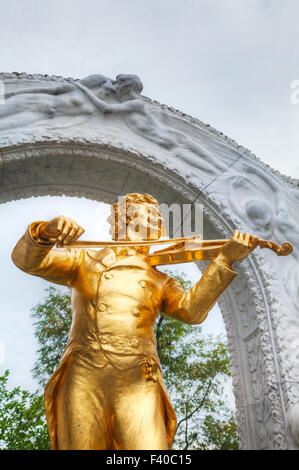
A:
(238, 247)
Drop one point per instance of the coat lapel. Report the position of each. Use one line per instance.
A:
(139, 260)
(110, 258)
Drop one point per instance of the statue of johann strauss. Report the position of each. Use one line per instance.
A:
(108, 391)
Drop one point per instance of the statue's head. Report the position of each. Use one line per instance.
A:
(136, 217)
(128, 85)
(261, 216)
(99, 84)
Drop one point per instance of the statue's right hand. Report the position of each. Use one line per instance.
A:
(62, 230)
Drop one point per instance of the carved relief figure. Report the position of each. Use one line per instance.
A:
(36, 105)
(268, 214)
(108, 391)
(139, 119)
(98, 96)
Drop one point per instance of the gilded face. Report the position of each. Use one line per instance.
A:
(139, 221)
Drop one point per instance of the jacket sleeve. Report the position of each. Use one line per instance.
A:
(194, 305)
(38, 257)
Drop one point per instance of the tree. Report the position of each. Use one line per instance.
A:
(194, 369)
(53, 318)
(22, 419)
(22, 414)
(219, 434)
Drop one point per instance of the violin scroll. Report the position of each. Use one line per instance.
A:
(283, 250)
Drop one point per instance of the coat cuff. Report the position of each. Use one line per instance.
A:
(33, 231)
(223, 265)
(30, 250)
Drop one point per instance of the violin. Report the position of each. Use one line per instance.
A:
(183, 250)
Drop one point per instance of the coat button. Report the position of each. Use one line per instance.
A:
(142, 283)
(102, 307)
(135, 312)
(104, 340)
(108, 275)
(95, 346)
(135, 342)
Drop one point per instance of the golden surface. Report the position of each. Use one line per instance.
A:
(108, 391)
(194, 250)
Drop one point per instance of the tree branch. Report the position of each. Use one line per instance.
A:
(159, 332)
(197, 408)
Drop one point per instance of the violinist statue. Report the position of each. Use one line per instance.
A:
(108, 391)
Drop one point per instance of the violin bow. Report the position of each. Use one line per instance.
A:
(183, 250)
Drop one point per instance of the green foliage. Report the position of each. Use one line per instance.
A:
(52, 323)
(219, 434)
(22, 419)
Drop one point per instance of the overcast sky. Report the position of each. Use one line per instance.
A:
(229, 63)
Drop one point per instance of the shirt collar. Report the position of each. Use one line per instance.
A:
(112, 255)
(123, 251)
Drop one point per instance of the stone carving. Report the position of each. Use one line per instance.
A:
(262, 407)
(40, 105)
(139, 119)
(273, 214)
(294, 424)
(98, 101)
(79, 160)
(269, 214)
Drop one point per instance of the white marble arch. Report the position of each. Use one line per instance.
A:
(100, 153)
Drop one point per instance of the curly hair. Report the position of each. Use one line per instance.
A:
(126, 209)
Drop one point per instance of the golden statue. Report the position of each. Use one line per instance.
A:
(108, 391)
